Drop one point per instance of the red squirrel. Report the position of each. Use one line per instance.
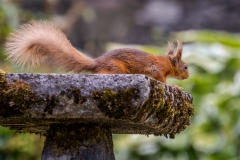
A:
(37, 40)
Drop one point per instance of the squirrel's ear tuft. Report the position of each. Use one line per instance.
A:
(179, 49)
(170, 51)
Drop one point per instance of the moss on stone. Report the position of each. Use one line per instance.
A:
(117, 104)
(155, 102)
(166, 107)
(51, 103)
(78, 98)
(177, 113)
(16, 97)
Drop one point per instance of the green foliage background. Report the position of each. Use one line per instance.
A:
(214, 133)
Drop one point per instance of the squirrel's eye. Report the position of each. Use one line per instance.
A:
(185, 67)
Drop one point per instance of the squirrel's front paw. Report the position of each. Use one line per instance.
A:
(177, 87)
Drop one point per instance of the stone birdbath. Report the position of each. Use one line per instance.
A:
(78, 113)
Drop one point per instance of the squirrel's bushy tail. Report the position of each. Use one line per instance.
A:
(37, 40)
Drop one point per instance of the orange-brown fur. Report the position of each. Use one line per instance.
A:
(38, 40)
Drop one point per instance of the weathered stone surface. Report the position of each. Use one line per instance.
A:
(78, 142)
(133, 104)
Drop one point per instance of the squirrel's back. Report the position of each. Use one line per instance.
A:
(124, 60)
(37, 40)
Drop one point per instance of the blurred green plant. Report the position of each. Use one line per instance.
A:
(19, 146)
